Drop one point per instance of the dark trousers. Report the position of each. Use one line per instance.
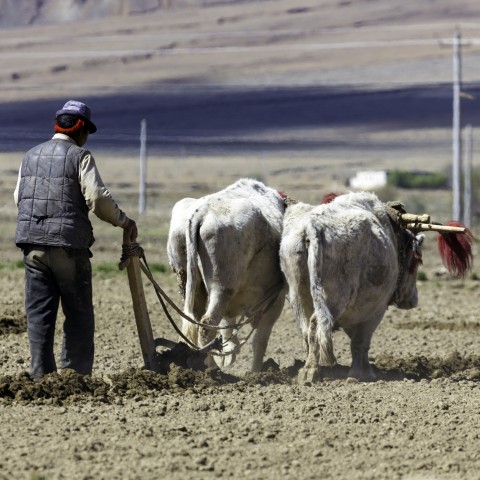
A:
(54, 275)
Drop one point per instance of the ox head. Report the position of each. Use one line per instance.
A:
(456, 250)
(410, 258)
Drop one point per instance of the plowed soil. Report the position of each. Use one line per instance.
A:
(420, 419)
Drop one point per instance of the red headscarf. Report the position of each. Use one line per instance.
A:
(72, 130)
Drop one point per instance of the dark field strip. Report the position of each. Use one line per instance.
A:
(71, 388)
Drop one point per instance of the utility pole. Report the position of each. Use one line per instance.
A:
(456, 165)
(467, 177)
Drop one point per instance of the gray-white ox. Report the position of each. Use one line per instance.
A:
(224, 249)
(345, 264)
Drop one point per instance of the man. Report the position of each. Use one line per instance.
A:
(58, 184)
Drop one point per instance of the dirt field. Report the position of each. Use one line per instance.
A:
(218, 110)
(420, 420)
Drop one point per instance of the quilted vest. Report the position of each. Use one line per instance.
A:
(51, 208)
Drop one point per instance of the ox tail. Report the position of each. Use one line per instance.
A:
(191, 240)
(324, 330)
(456, 250)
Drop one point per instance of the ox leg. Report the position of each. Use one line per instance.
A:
(181, 282)
(190, 330)
(206, 334)
(213, 317)
(311, 371)
(360, 337)
(263, 331)
(303, 311)
(230, 344)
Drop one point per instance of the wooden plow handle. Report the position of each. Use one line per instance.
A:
(142, 318)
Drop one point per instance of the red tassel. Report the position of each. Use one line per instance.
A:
(330, 197)
(456, 250)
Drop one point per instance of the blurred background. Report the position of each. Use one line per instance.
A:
(307, 96)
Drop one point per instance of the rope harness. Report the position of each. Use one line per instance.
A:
(405, 241)
(248, 316)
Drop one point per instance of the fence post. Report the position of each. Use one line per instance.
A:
(143, 167)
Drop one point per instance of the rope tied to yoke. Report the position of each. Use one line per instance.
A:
(395, 210)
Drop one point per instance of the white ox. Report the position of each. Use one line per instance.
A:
(224, 249)
(344, 265)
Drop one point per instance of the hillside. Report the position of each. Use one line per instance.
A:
(111, 46)
(22, 13)
(366, 82)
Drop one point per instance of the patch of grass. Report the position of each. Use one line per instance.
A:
(110, 268)
(422, 276)
(106, 267)
(411, 179)
(11, 265)
(158, 267)
(153, 233)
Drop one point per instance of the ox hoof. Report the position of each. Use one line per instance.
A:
(361, 375)
(308, 376)
(229, 355)
(225, 361)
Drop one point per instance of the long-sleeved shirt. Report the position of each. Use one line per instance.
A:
(99, 200)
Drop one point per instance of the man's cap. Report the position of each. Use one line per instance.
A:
(78, 109)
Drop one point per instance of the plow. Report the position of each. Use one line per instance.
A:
(133, 260)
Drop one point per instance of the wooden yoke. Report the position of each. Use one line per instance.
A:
(412, 218)
(432, 227)
(142, 318)
(421, 223)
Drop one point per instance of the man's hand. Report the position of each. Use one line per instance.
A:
(131, 230)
